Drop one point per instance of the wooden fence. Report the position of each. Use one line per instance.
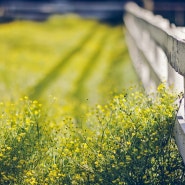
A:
(157, 49)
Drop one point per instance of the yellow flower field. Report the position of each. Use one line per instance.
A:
(70, 113)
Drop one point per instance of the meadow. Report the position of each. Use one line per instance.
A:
(71, 110)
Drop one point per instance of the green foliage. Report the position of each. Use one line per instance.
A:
(127, 141)
(66, 56)
(68, 64)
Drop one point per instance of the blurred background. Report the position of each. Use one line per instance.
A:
(110, 11)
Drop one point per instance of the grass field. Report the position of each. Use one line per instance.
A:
(69, 113)
(64, 56)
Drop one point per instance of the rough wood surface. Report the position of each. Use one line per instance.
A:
(166, 35)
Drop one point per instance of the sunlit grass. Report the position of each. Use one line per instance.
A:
(126, 141)
(66, 116)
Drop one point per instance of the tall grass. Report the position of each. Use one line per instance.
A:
(66, 117)
(129, 140)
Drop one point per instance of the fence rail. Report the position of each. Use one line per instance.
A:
(157, 49)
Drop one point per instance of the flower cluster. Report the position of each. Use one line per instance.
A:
(127, 141)
(64, 140)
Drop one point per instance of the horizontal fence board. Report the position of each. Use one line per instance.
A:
(147, 74)
(171, 40)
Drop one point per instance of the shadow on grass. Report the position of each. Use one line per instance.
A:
(38, 89)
